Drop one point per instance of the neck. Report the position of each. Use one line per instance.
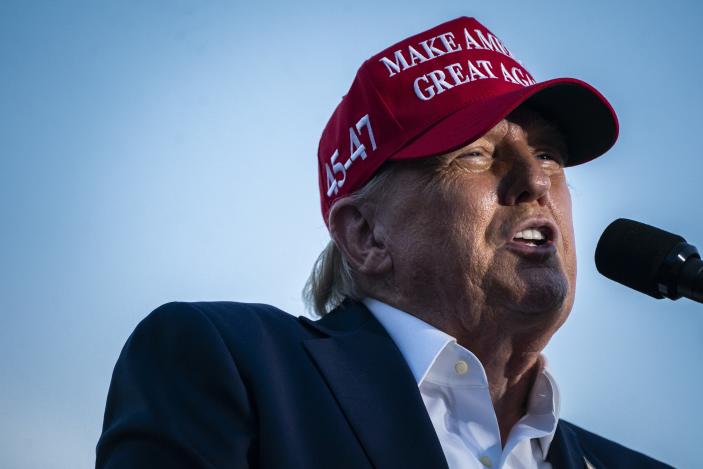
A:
(511, 358)
(511, 371)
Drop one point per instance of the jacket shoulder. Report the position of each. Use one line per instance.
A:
(177, 397)
(212, 309)
(603, 452)
(243, 328)
(222, 314)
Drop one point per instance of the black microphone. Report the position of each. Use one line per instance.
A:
(652, 261)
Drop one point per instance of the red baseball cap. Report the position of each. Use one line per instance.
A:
(440, 90)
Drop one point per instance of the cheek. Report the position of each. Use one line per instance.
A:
(455, 220)
(473, 213)
(561, 208)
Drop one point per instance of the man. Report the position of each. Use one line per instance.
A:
(452, 263)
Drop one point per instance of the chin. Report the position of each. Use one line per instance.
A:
(537, 293)
(546, 298)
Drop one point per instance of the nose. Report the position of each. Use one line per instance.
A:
(525, 181)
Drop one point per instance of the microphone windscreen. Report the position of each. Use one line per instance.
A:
(632, 253)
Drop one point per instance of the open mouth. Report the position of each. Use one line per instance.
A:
(538, 236)
(534, 239)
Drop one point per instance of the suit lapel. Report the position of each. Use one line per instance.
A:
(375, 389)
(565, 451)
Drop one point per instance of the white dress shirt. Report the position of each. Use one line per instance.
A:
(454, 388)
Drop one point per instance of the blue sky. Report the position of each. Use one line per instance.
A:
(157, 151)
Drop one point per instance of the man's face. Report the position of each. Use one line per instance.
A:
(489, 231)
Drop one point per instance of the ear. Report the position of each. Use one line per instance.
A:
(360, 238)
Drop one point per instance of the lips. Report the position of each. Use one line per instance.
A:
(533, 237)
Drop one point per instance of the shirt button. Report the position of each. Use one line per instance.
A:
(461, 367)
(486, 461)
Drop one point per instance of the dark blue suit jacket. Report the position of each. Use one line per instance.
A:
(232, 385)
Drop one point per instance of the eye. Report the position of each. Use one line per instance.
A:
(549, 156)
(474, 159)
(474, 153)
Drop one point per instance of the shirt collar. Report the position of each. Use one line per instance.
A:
(422, 344)
(418, 342)
(545, 405)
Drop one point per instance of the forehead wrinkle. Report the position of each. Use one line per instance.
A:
(497, 133)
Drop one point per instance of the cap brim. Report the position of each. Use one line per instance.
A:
(584, 116)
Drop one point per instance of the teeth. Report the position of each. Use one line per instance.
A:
(530, 233)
